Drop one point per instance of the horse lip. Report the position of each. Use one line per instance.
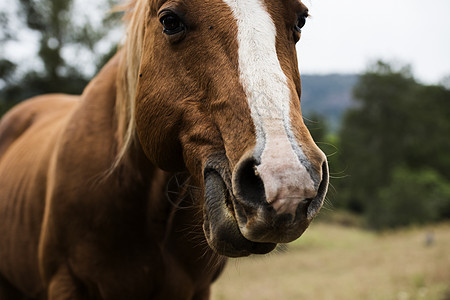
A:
(223, 234)
(270, 227)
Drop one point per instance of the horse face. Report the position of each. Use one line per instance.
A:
(219, 93)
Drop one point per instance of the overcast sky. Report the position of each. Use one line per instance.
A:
(346, 35)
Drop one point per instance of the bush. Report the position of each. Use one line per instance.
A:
(411, 197)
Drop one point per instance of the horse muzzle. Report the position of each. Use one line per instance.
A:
(248, 212)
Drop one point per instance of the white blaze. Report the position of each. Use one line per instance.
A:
(268, 95)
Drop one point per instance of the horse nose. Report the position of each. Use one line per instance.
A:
(283, 185)
(248, 186)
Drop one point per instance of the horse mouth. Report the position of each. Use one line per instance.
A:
(220, 226)
(233, 230)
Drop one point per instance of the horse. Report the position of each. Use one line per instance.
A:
(186, 149)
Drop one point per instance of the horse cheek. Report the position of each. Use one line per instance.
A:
(159, 143)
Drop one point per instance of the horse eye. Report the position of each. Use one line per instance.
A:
(172, 24)
(301, 20)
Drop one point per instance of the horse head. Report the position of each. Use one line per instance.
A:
(218, 93)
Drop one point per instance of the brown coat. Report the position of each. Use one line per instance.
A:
(111, 232)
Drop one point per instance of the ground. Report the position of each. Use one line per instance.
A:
(337, 262)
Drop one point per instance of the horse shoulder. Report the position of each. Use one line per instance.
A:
(27, 138)
(22, 117)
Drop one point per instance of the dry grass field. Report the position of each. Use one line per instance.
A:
(333, 262)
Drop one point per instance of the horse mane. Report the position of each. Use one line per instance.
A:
(127, 78)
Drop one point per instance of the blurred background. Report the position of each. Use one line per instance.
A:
(376, 97)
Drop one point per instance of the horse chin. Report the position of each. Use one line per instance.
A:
(220, 226)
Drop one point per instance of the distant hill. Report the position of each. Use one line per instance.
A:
(328, 95)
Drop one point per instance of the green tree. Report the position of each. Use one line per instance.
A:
(397, 123)
(59, 31)
(370, 133)
(411, 197)
(426, 141)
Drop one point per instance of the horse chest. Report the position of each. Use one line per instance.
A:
(135, 264)
(151, 275)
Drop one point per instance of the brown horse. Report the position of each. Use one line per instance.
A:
(187, 148)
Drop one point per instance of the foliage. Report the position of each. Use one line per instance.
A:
(411, 197)
(398, 129)
(60, 31)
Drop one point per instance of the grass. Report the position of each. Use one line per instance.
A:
(334, 262)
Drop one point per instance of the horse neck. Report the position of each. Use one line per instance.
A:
(94, 123)
(174, 217)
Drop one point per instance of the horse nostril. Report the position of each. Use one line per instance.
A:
(248, 186)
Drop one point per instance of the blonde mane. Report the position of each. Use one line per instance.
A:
(127, 78)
